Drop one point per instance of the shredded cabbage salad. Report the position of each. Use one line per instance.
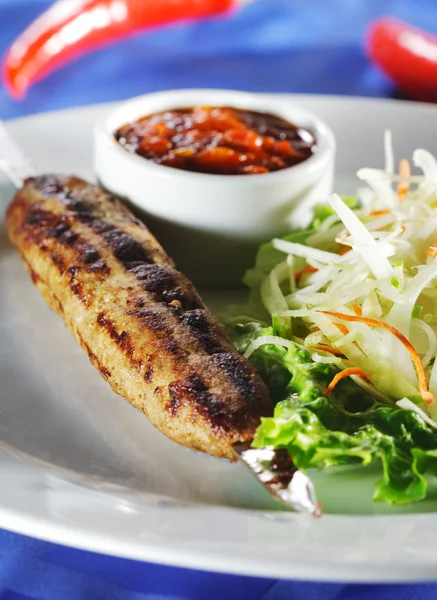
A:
(342, 325)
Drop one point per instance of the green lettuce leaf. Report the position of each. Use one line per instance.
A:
(312, 445)
(348, 426)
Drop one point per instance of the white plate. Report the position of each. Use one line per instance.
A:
(79, 466)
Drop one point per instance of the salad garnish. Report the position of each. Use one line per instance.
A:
(341, 323)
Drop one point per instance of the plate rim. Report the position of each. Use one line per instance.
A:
(401, 103)
(183, 555)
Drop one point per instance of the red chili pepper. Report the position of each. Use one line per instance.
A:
(70, 28)
(407, 55)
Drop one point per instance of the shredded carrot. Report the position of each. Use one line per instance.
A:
(404, 184)
(379, 213)
(344, 250)
(421, 375)
(432, 250)
(327, 349)
(307, 269)
(357, 309)
(346, 373)
(342, 328)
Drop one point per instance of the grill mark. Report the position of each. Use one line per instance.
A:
(41, 225)
(149, 372)
(238, 412)
(122, 339)
(61, 231)
(59, 188)
(35, 232)
(157, 320)
(88, 255)
(81, 201)
(186, 392)
(36, 219)
(105, 322)
(167, 286)
(79, 196)
(77, 289)
(99, 265)
(93, 358)
(48, 185)
(208, 335)
(193, 392)
(244, 379)
(125, 343)
(76, 205)
(126, 249)
(59, 262)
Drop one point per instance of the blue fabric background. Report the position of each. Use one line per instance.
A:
(313, 46)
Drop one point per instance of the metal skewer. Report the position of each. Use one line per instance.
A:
(281, 478)
(273, 468)
(14, 164)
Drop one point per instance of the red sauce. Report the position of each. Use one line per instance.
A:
(219, 140)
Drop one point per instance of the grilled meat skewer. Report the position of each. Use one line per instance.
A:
(141, 322)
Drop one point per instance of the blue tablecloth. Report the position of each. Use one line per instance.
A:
(273, 45)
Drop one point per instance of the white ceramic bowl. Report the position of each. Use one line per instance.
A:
(212, 225)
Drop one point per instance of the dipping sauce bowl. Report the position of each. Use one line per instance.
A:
(211, 218)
